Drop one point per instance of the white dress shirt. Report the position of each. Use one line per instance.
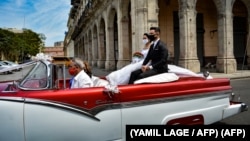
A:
(82, 80)
(155, 42)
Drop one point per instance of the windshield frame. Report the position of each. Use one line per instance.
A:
(42, 77)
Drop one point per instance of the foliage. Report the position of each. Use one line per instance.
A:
(19, 46)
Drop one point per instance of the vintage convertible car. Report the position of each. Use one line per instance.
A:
(39, 105)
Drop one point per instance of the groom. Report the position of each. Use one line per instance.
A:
(156, 59)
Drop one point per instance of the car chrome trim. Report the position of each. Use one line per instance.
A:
(131, 104)
(61, 106)
(176, 98)
(50, 104)
(31, 89)
(4, 91)
(13, 99)
(90, 113)
(244, 107)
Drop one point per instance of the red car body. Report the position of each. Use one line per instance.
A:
(187, 101)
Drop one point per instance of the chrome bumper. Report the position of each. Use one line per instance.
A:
(234, 108)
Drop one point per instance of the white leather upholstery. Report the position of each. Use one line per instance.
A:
(160, 78)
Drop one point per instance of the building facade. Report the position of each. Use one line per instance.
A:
(198, 33)
(56, 51)
(68, 41)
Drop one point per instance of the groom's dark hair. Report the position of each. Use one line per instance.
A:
(156, 29)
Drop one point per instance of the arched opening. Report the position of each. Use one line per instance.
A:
(116, 49)
(130, 30)
(81, 48)
(240, 34)
(95, 47)
(207, 39)
(90, 53)
(169, 24)
(102, 45)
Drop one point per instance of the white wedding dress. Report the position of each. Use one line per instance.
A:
(121, 76)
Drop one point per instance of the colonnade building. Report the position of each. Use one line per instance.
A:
(198, 33)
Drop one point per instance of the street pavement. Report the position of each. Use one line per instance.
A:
(237, 75)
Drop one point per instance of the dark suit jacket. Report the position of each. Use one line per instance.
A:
(158, 57)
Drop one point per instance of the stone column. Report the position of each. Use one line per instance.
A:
(153, 12)
(110, 62)
(188, 38)
(123, 38)
(226, 62)
(70, 48)
(143, 14)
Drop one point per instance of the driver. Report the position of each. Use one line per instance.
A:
(80, 78)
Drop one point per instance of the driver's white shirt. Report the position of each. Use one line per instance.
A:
(82, 80)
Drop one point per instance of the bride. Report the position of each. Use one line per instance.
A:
(121, 76)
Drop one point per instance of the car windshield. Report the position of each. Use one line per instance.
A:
(36, 75)
(36, 78)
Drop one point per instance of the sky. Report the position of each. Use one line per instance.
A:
(48, 17)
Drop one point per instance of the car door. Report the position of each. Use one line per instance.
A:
(11, 119)
(72, 114)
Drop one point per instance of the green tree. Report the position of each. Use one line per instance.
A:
(6, 38)
(19, 46)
